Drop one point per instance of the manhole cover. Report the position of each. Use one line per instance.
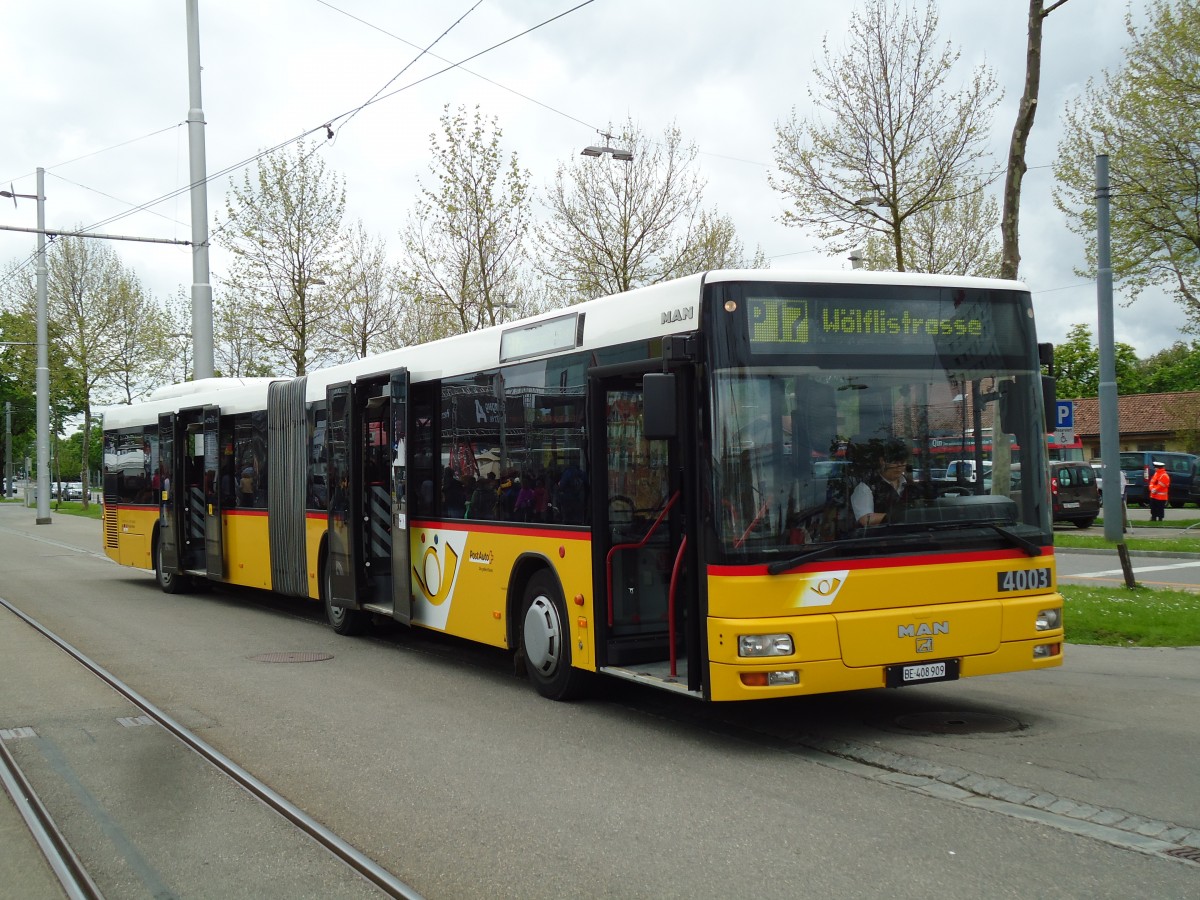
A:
(1191, 854)
(292, 656)
(957, 723)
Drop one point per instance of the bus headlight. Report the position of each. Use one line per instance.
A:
(1048, 619)
(765, 645)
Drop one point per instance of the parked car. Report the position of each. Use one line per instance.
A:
(1074, 493)
(1194, 490)
(964, 470)
(70, 490)
(1137, 466)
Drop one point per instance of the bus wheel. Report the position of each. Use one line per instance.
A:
(546, 640)
(170, 582)
(341, 619)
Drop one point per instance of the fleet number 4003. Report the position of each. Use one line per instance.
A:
(1023, 579)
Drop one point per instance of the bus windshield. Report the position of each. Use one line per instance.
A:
(860, 444)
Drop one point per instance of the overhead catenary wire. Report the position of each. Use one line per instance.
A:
(324, 127)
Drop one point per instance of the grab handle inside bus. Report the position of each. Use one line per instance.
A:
(659, 406)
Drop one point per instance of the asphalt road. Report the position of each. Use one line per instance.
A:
(431, 757)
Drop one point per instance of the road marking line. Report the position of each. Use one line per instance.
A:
(1186, 565)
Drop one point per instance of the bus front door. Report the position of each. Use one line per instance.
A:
(640, 498)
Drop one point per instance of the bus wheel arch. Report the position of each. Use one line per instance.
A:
(543, 634)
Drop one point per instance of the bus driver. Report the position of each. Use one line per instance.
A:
(884, 493)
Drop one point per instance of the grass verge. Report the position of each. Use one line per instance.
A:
(71, 508)
(1121, 617)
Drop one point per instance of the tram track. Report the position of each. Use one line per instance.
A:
(74, 879)
(65, 864)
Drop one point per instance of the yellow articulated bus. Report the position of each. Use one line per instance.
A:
(722, 486)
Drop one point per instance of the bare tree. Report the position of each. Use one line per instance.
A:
(896, 143)
(148, 350)
(88, 294)
(284, 231)
(618, 224)
(1015, 172)
(371, 302)
(957, 238)
(465, 240)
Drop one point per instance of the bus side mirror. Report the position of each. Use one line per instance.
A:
(659, 406)
(1049, 403)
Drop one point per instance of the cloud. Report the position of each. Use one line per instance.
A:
(89, 76)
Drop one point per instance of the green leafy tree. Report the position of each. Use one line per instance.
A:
(1077, 365)
(91, 299)
(465, 240)
(16, 387)
(894, 141)
(1174, 369)
(284, 231)
(1143, 117)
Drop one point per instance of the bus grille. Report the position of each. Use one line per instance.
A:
(110, 526)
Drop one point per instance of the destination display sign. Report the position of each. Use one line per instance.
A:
(906, 326)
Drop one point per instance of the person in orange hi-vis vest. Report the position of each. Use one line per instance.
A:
(1159, 487)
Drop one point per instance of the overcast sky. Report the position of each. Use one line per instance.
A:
(97, 94)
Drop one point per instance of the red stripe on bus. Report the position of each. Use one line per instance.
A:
(889, 563)
(479, 527)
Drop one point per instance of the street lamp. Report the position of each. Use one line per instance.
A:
(615, 153)
(42, 373)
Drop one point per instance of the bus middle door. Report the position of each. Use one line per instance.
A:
(343, 576)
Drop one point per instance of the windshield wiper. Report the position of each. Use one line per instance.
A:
(786, 565)
(1030, 548)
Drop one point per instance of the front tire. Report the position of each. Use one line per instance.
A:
(168, 582)
(546, 640)
(342, 620)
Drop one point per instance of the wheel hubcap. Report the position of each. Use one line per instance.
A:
(543, 635)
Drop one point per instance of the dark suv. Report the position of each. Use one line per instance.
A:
(1138, 465)
(1075, 495)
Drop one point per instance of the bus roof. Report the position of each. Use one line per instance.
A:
(671, 307)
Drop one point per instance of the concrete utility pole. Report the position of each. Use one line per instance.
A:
(8, 448)
(202, 314)
(42, 378)
(1110, 433)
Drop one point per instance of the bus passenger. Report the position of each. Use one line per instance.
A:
(483, 499)
(454, 497)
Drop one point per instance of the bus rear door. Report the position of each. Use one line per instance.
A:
(167, 471)
(214, 555)
(401, 580)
